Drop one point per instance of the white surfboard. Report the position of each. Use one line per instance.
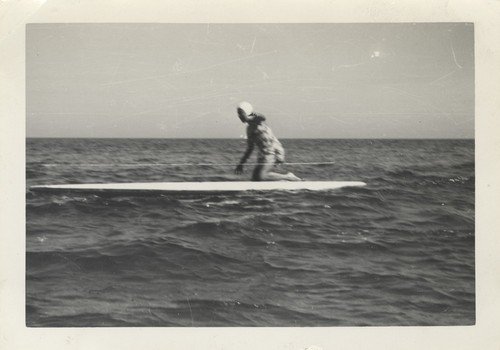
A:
(204, 187)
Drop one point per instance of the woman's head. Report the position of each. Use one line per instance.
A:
(244, 110)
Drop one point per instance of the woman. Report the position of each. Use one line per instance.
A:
(271, 151)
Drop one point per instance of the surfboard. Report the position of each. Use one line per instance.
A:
(203, 187)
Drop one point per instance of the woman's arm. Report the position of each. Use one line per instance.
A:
(248, 152)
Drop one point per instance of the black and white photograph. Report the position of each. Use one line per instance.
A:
(250, 175)
(268, 175)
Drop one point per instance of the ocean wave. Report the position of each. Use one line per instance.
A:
(82, 319)
(399, 251)
(195, 310)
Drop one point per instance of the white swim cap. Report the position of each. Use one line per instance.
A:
(247, 107)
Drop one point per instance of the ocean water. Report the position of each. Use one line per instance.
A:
(398, 252)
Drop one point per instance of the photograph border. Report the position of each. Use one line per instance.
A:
(14, 15)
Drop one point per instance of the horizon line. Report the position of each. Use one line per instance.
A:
(239, 138)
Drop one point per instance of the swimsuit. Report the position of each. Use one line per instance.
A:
(270, 149)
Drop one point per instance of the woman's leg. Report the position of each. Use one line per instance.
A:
(256, 175)
(267, 175)
(262, 171)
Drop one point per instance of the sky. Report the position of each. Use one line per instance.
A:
(309, 80)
